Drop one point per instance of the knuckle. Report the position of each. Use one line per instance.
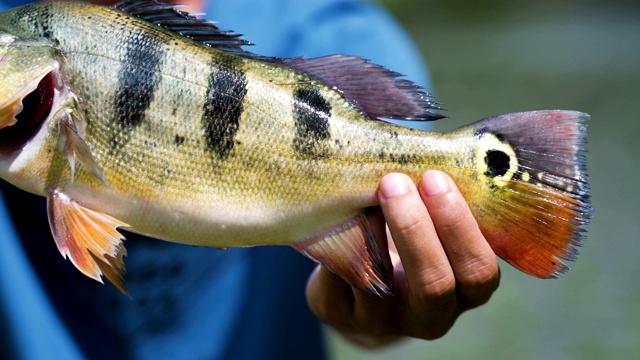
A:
(480, 273)
(433, 308)
(480, 282)
(437, 287)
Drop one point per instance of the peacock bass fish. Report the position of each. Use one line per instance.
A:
(146, 118)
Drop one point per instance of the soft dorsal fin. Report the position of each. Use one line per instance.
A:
(379, 92)
(182, 23)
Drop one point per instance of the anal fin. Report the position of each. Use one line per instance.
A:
(88, 238)
(351, 252)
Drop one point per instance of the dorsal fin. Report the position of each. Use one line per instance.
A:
(379, 92)
(184, 24)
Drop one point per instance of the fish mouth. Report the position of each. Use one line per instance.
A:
(22, 117)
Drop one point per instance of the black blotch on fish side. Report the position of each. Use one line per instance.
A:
(227, 87)
(178, 140)
(138, 80)
(498, 162)
(312, 113)
(46, 28)
(402, 159)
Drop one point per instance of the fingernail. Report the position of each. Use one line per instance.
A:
(393, 185)
(435, 183)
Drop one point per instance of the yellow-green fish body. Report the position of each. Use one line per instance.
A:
(188, 138)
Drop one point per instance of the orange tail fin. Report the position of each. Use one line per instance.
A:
(538, 202)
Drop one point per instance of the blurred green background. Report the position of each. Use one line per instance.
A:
(493, 57)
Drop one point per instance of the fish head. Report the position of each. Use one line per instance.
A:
(29, 77)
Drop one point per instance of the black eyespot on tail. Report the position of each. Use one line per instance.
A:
(498, 163)
(36, 108)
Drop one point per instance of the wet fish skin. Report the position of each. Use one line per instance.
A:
(207, 144)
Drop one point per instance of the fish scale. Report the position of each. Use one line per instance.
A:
(162, 124)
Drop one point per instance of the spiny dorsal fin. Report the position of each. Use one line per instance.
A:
(184, 24)
(379, 92)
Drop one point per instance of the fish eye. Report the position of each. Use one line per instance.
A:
(498, 163)
(36, 108)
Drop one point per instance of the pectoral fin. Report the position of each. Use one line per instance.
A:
(75, 148)
(351, 252)
(88, 238)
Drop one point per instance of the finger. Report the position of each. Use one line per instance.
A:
(350, 310)
(473, 261)
(330, 298)
(426, 265)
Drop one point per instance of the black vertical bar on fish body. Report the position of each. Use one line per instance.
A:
(227, 87)
(138, 80)
(312, 113)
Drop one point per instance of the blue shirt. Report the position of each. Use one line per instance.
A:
(187, 302)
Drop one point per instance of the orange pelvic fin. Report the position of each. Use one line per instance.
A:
(538, 203)
(351, 252)
(88, 238)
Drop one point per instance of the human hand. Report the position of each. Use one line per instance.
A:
(442, 266)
